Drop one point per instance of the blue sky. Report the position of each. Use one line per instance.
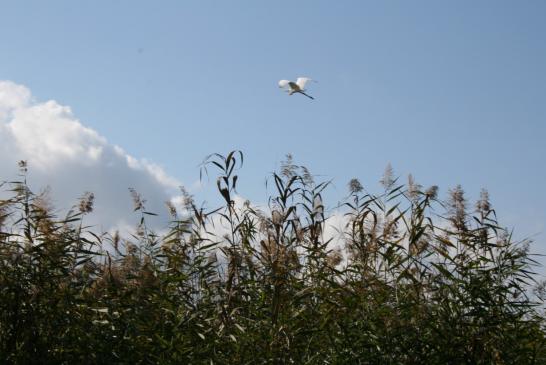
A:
(453, 92)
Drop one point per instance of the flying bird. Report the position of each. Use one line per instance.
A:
(292, 87)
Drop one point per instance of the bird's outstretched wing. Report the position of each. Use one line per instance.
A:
(284, 83)
(301, 81)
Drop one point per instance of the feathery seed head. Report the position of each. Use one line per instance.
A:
(86, 203)
(355, 186)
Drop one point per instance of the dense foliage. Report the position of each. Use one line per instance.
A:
(411, 280)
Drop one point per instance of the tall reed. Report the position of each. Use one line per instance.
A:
(410, 279)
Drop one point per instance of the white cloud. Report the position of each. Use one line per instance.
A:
(70, 158)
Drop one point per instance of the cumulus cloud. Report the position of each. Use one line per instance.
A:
(70, 158)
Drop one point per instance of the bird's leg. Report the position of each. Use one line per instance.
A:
(309, 96)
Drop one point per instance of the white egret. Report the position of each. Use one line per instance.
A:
(292, 87)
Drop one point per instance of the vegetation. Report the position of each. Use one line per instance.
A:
(414, 280)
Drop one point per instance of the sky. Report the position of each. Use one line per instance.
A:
(452, 92)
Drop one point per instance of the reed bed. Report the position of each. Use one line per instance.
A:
(412, 279)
